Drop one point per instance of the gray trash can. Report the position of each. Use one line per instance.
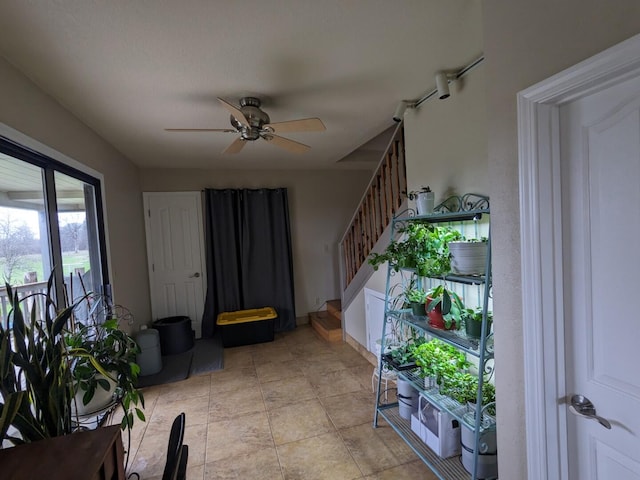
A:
(149, 359)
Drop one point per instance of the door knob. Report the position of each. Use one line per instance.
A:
(195, 275)
(582, 406)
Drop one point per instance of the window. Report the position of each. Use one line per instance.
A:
(50, 221)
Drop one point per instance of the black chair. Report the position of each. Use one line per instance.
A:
(177, 453)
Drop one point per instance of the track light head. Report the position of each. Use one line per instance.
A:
(400, 109)
(442, 84)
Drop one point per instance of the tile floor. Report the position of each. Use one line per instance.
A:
(297, 408)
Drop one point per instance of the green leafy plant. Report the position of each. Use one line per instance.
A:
(463, 387)
(424, 248)
(416, 295)
(450, 305)
(35, 374)
(439, 360)
(101, 351)
(412, 195)
(44, 359)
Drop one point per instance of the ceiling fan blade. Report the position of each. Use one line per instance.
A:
(302, 125)
(236, 146)
(235, 111)
(292, 146)
(228, 130)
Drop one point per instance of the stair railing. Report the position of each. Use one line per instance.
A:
(380, 201)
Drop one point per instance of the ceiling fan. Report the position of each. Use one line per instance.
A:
(253, 123)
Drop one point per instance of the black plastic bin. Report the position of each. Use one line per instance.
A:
(176, 335)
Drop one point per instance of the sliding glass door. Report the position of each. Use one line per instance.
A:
(50, 221)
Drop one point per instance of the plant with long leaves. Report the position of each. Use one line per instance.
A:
(35, 374)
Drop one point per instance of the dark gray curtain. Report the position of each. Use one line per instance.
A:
(249, 262)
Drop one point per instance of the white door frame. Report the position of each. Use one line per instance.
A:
(541, 246)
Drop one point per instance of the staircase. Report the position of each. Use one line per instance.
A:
(328, 323)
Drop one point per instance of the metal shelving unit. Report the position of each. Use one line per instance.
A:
(470, 208)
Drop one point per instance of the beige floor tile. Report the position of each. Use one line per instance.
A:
(318, 458)
(270, 419)
(367, 449)
(233, 403)
(189, 388)
(398, 446)
(261, 464)
(286, 392)
(350, 409)
(237, 358)
(335, 383)
(195, 436)
(238, 436)
(151, 455)
(233, 379)
(195, 472)
(272, 354)
(196, 410)
(408, 471)
(272, 371)
(299, 420)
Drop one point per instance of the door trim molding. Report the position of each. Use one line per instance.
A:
(541, 246)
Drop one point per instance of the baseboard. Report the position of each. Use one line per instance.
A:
(304, 320)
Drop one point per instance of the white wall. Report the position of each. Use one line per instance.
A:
(526, 42)
(26, 109)
(321, 204)
(445, 144)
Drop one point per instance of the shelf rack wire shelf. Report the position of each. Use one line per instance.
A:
(469, 207)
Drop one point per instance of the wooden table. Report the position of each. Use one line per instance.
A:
(90, 455)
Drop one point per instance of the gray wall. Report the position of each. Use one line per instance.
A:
(321, 204)
(526, 42)
(25, 108)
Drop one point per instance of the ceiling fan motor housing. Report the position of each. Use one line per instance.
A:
(250, 108)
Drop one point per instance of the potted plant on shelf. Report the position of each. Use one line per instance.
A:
(444, 308)
(439, 360)
(469, 256)
(402, 356)
(424, 200)
(473, 322)
(424, 248)
(416, 297)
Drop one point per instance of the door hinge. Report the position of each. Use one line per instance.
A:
(149, 213)
(153, 267)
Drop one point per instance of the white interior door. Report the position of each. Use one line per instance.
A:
(175, 253)
(600, 170)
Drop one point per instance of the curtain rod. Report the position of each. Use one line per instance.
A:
(458, 75)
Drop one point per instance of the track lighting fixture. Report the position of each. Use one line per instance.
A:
(401, 108)
(442, 84)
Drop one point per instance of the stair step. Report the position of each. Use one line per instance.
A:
(334, 307)
(327, 326)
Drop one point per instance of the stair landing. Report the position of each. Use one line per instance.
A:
(328, 323)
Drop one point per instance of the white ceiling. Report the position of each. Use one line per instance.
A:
(131, 68)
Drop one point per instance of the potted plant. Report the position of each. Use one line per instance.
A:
(473, 322)
(402, 356)
(35, 376)
(424, 200)
(423, 248)
(103, 366)
(416, 297)
(40, 371)
(469, 256)
(444, 308)
(439, 360)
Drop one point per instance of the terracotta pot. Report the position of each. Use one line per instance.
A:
(435, 317)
